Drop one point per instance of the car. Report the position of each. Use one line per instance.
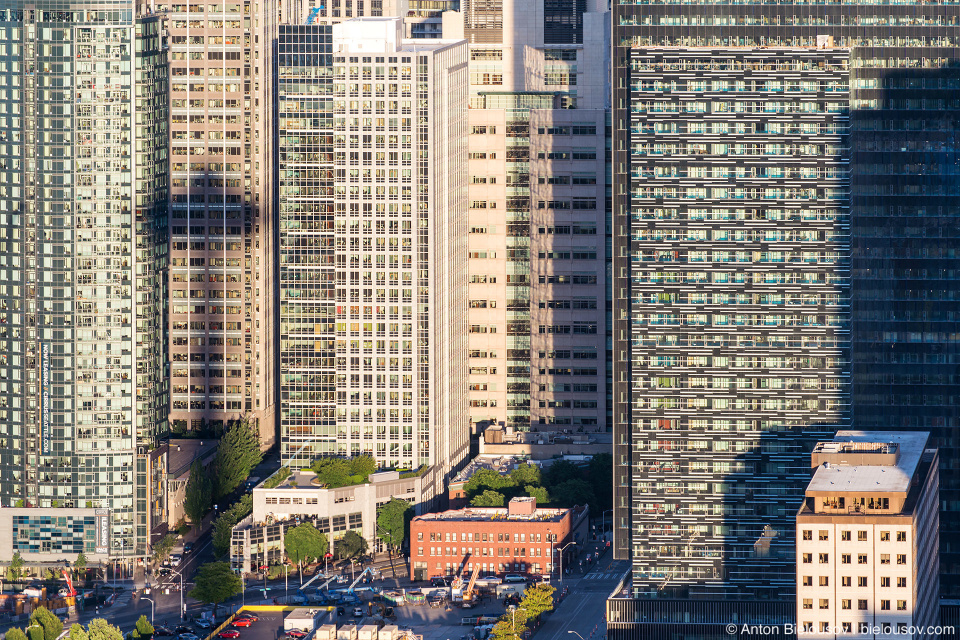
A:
(175, 558)
(358, 612)
(164, 571)
(248, 615)
(513, 578)
(188, 547)
(229, 634)
(183, 629)
(435, 602)
(242, 622)
(439, 582)
(161, 632)
(203, 623)
(188, 636)
(296, 633)
(488, 580)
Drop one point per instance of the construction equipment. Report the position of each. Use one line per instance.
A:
(359, 578)
(469, 595)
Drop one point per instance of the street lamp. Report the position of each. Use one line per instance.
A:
(553, 557)
(603, 520)
(286, 586)
(561, 558)
(151, 607)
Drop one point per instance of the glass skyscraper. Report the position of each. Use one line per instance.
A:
(83, 136)
(903, 202)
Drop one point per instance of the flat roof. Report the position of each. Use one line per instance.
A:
(842, 478)
(492, 514)
(183, 451)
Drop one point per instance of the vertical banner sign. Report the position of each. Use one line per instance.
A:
(103, 530)
(45, 398)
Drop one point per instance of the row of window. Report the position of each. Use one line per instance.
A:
(846, 558)
(847, 581)
(846, 535)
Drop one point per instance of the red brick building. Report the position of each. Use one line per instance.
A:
(518, 539)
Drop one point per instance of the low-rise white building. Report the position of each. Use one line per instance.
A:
(868, 538)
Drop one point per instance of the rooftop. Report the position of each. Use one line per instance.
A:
(493, 514)
(183, 451)
(837, 477)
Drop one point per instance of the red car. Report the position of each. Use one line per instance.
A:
(296, 633)
(242, 622)
(229, 634)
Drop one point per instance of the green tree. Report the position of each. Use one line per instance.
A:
(559, 472)
(77, 632)
(15, 634)
(572, 492)
(35, 633)
(144, 629)
(16, 566)
(277, 478)
(393, 521)
(237, 455)
(351, 545)
(333, 472)
(526, 474)
(100, 629)
(214, 583)
(80, 565)
(362, 466)
(601, 479)
(487, 479)
(199, 496)
(51, 624)
(163, 548)
(540, 493)
(488, 499)
(227, 520)
(511, 626)
(538, 600)
(303, 543)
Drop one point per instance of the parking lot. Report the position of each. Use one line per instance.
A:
(443, 623)
(268, 627)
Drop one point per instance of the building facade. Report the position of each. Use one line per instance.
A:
(221, 323)
(903, 66)
(739, 307)
(537, 184)
(520, 538)
(372, 247)
(83, 203)
(873, 499)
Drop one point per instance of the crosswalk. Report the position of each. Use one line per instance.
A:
(604, 575)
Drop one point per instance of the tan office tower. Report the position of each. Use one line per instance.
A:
(538, 103)
(221, 328)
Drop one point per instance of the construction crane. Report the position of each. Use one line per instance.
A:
(468, 594)
(303, 589)
(359, 578)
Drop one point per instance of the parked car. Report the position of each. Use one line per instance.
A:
(435, 601)
(488, 580)
(229, 634)
(439, 582)
(296, 633)
(162, 632)
(175, 558)
(188, 547)
(242, 622)
(183, 629)
(513, 578)
(248, 615)
(188, 636)
(203, 623)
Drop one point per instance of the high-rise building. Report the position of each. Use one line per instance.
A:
(373, 296)
(868, 536)
(83, 136)
(538, 210)
(904, 208)
(221, 322)
(738, 308)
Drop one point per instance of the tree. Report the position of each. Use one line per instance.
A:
(77, 632)
(52, 625)
(488, 499)
(144, 629)
(559, 472)
(80, 565)
(541, 494)
(351, 545)
(526, 474)
(601, 478)
(362, 466)
(237, 455)
(35, 633)
(100, 629)
(16, 566)
(198, 497)
(163, 548)
(227, 520)
(15, 634)
(572, 492)
(512, 626)
(393, 521)
(333, 472)
(487, 479)
(538, 600)
(303, 543)
(214, 583)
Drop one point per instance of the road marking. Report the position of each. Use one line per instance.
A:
(562, 633)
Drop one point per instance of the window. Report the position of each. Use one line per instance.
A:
(845, 536)
(845, 581)
(824, 558)
(884, 558)
(824, 534)
(807, 534)
(884, 536)
(861, 558)
(861, 536)
(901, 582)
(808, 603)
(901, 605)
(808, 581)
(862, 581)
(807, 558)
(885, 581)
(901, 536)
(901, 558)
(845, 558)
(824, 603)
(824, 581)
(845, 604)
(884, 605)
(862, 605)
